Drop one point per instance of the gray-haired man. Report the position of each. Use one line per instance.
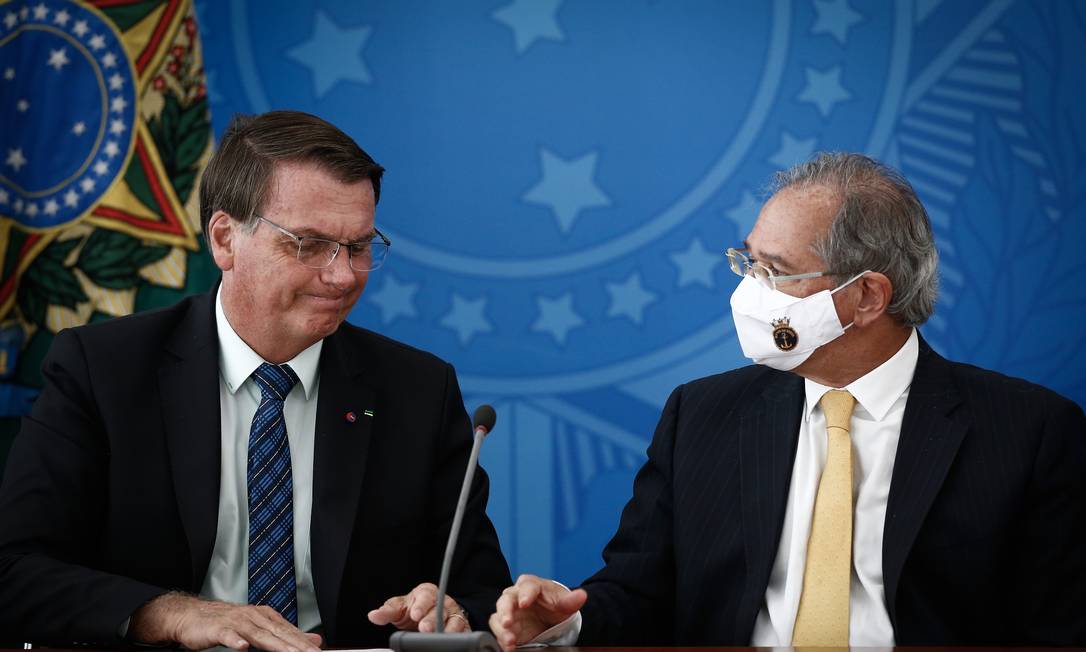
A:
(851, 488)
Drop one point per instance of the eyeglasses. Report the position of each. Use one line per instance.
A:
(744, 266)
(319, 253)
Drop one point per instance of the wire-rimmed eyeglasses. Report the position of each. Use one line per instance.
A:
(742, 265)
(319, 253)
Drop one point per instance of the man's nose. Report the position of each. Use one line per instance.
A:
(339, 273)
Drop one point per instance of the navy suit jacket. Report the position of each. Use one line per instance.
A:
(111, 492)
(983, 541)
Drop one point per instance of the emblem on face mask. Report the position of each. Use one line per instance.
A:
(784, 336)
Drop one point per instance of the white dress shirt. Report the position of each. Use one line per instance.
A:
(239, 396)
(875, 430)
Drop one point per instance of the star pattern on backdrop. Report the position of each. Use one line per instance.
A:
(629, 299)
(835, 17)
(530, 21)
(394, 299)
(696, 264)
(792, 150)
(744, 213)
(567, 187)
(557, 317)
(467, 317)
(333, 54)
(824, 89)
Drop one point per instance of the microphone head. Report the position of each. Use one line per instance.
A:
(484, 418)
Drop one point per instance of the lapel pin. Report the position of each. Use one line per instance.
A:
(368, 413)
(350, 417)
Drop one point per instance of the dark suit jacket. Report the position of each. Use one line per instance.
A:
(111, 491)
(983, 541)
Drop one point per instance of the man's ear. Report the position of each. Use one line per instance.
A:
(221, 233)
(876, 293)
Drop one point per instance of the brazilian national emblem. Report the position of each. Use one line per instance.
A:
(784, 336)
(105, 131)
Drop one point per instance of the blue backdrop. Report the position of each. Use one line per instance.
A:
(563, 175)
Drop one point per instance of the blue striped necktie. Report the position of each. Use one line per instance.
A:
(271, 510)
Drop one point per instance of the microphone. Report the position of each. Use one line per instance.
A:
(482, 424)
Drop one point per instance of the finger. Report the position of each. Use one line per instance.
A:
(271, 621)
(528, 590)
(314, 638)
(393, 610)
(262, 637)
(505, 608)
(423, 600)
(457, 622)
(571, 602)
(229, 637)
(506, 639)
(428, 623)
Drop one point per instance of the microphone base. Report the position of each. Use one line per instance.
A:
(458, 642)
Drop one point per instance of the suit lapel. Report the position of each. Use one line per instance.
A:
(338, 466)
(768, 432)
(190, 407)
(929, 442)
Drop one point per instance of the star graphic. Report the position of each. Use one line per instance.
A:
(629, 299)
(824, 89)
(557, 317)
(100, 168)
(792, 150)
(109, 60)
(58, 58)
(118, 104)
(71, 198)
(111, 149)
(3, 196)
(97, 42)
(116, 126)
(835, 17)
(61, 17)
(467, 317)
(23, 13)
(744, 213)
(78, 128)
(31, 210)
(41, 12)
(395, 299)
(696, 265)
(87, 184)
(115, 82)
(51, 207)
(18, 204)
(80, 28)
(22, 105)
(333, 54)
(16, 159)
(9, 73)
(530, 21)
(567, 187)
(10, 19)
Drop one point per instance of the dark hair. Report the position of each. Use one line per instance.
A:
(237, 177)
(881, 226)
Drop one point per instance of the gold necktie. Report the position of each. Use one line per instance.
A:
(822, 619)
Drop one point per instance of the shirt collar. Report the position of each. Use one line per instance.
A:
(878, 389)
(237, 361)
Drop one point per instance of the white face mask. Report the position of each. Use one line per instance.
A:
(781, 331)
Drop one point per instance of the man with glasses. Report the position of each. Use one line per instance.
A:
(852, 487)
(245, 469)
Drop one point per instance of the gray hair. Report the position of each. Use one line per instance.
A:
(881, 226)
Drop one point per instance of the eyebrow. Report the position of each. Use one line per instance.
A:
(306, 232)
(776, 260)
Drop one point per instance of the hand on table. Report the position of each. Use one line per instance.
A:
(197, 624)
(530, 607)
(416, 611)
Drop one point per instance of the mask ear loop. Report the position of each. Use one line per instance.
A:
(844, 285)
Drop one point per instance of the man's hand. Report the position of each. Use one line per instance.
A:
(197, 624)
(416, 611)
(530, 607)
